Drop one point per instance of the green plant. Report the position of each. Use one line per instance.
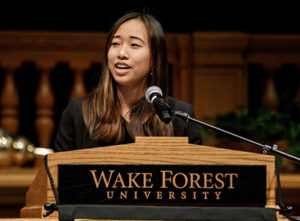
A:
(260, 125)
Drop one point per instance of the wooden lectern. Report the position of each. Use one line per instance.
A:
(145, 151)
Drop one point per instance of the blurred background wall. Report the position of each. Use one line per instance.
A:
(221, 55)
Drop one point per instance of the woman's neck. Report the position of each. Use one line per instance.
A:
(129, 97)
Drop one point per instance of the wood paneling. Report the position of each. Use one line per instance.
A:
(218, 90)
(220, 76)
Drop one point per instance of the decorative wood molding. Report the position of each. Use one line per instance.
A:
(217, 48)
(55, 46)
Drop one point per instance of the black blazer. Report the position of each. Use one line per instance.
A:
(72, 133)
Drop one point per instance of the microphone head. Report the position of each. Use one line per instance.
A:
(151, 91)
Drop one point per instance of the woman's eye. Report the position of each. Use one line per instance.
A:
(135, 45)
(114, 43)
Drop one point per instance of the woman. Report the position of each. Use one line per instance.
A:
(116, 111)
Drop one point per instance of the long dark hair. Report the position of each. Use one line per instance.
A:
(101, 109)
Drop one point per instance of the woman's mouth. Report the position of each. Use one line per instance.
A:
(122, 66)
(121, 69)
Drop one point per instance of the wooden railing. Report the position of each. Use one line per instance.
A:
(209, 70)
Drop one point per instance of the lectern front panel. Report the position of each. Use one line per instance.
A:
(208, 185)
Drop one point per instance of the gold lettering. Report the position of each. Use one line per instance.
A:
(185, 180)
(164, 179)
(147, 180)
(194, 195)
(123, 194)
(183, 195)
(119, 179)
(231, 179)
(132, 180)
(147, 194)
(207, 180)
(205, 193)
(158, 195)
(171, 195)
(218, 195)
(135, 195)
(192, 175)
(109, 194)
(219, 180)
(102, 176)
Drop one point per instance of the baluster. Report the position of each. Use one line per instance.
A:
(44, 101)
(78, 88)
(10, 99)
(270, 95)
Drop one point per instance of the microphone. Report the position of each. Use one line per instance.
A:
(154, 96)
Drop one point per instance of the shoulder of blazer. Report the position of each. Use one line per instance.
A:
(179, 105)
(74, 106)
(76, 102)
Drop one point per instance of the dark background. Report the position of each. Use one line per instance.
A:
(181, 16)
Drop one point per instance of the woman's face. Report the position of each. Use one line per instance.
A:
(129, 56)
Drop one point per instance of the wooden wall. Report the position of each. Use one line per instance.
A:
(209, 70)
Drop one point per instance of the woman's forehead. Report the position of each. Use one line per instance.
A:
(132, 29)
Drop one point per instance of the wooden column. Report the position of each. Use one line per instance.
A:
(10, 99)
(44, 101)
(270, 95)
(219, 73)
(185, 82)
(78, 88)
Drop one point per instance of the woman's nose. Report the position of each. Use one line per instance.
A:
(123, 52)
